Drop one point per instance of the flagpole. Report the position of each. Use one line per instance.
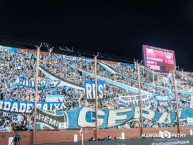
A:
(36, 94)
(140, 102)
(82, 138)
(153, 76)
(176, 97)
(96, 98)
(81, 134)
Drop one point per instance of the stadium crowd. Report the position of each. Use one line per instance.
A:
(72, 70)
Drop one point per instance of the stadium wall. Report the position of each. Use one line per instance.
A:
(68, 135)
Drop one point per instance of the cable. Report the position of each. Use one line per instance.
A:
(29, 44)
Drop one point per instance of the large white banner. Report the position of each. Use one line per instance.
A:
(134, 100)
(54, 98)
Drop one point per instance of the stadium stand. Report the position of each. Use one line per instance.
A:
(121, 80)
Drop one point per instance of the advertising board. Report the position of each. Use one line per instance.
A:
(158, 59)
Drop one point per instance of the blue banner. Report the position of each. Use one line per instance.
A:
(86, 116)
(42, 85)
(27, 107)
(8, 49)
(164, 98)
(77, 58)
(54, 98)
(90, 89)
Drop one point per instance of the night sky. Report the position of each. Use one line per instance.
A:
(115, 28)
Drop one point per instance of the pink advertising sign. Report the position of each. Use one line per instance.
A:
(158, 59)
